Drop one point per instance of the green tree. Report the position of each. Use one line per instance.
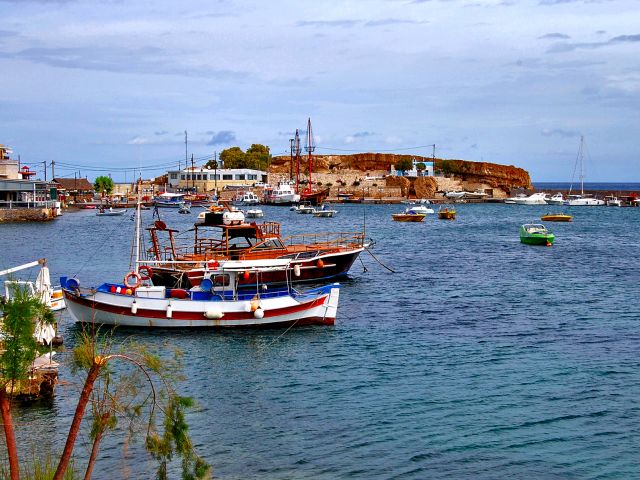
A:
(421, 167)
(233, 157)
(103, 184)
(20, 350)
(258, 157)
(404, 164)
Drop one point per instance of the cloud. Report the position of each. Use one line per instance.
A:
(358, 136)
(163, 132)
(392, 21)
(569, 47)
(328, 23)
(558, 132)
(363, 134)
(139, 141)
(560, 36)
(223, 137)
(149, 60)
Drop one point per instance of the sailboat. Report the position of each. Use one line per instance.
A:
(314, 197)
(582, 200)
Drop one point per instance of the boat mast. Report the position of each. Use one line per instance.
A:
(297, 147)
(137, 247)
(581, 165)
(309, 148)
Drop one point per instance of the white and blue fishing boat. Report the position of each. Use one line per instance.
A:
(169, 200)
(216, 303)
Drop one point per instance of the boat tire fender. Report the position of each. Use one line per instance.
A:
(128, 278)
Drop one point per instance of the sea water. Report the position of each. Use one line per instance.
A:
(477, 357)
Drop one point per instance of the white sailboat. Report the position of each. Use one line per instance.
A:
(582, 200)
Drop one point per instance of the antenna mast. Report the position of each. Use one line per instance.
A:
(309, 148)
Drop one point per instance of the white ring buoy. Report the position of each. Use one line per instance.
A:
(129, 276)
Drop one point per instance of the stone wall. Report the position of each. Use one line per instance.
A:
(26, 215)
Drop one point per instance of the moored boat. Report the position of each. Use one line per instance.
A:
(246, 198)
(408, 216)
(169, 200)
(225, 236)
(305, 208)
(324, 211)
(538, 198)
(254, 213)
(215, 303)
(282, 194)
(556, 217)
(536, 234)
(447, 213)
(556, 199)
(110, 212)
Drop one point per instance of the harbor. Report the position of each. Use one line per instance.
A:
(379, 240)
(506, 326)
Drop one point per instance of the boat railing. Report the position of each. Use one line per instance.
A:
(269, 229)
(336, 239)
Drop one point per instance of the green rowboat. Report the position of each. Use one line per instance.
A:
(536, 234)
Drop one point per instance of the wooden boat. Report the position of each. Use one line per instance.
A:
(219, 237)
(447, 213)
(536, 234)
(313, 197)
(111, 212)
(408, 216)
(216, 303)
(556, 217)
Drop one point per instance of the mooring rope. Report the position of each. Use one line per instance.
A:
(376, 259)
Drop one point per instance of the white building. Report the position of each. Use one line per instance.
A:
(207, 180)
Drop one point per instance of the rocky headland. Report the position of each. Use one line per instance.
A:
(366, 174)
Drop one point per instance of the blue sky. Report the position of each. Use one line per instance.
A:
(114, 84)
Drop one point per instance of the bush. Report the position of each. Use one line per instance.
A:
(356, 183)
(319, 184)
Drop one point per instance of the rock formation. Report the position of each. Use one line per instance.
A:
(467, 175)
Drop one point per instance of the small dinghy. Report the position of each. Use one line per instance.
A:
(102, 212)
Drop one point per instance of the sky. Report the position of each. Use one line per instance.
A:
(109, 85)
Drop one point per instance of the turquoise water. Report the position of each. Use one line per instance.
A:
(479, 358)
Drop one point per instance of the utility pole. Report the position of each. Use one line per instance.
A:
(44, 165)
(215, 173)
(53, 174)
(186, 158)
(193, 175)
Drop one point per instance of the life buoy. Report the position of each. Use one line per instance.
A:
(145, 272)
(129, 276)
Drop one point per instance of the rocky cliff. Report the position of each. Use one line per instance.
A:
(472, 175)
